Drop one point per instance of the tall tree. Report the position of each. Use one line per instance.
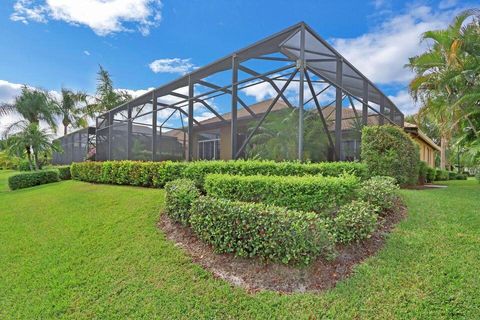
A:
(106, 97)
(67, 107)
(33, 105)
(441, 80)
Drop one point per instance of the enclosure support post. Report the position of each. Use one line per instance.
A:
(365, 104)
(190, 119)
(110, 125)
(129, 132)
(381, 120)
(154, 126)
(338, 111)
(233, 123)
(301, 85)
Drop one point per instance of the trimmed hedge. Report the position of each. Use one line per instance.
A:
(32, 178)
(354, 221)
(156, 174)
(259, 230)
(461, 176)
(178, 199)
(441, 175)
(422, 172)
(64, 172)
(380, 192)
(389, 151)
(307, 193)
(431, 173)
(452, 175)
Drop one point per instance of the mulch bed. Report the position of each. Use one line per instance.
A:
(255, 275)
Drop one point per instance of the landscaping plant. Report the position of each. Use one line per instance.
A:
(178, 199)
(33, 178)
(380, 192)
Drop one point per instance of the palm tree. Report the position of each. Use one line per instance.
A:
(31, 140)
(106, 97)
(67, 108)
(441, 80)
(33, 105)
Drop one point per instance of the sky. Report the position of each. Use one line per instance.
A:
(51, 44)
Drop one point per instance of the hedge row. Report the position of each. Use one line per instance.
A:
(258, 230)
(33, 178)
(389, 151)
(156, 174)
(307, 193)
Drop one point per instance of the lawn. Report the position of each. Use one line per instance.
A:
(79, 250)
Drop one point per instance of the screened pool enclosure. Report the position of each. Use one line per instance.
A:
(77, 146)
(288, 96)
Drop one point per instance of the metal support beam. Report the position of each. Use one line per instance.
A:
(319, 109)
(154, 126)
(274, 101)
(338, 111)
(110, 129)
(233, 122)
(129, 132)
(301, 85)
(265, 78)
(365, 104)
(381, 119)
(191, 93)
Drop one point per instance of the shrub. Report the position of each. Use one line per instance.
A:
(178, 199)
(258, 230)
(156, 174)
(477, 175)
(441, 175)
(380, 192)
(24, 165)
(431, 173)
(32, 178)
(307, 193)
(422, 172)
(388, 151)
(64, 172)
(354, 221)
(8, 162)
(452, 175)
(461, 176)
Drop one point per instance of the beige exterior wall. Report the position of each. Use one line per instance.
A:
(427, 153)
(225, 147)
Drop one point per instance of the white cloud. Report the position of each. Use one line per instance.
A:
(102, 16)
(404, 101)
(382, 53)
(446, 4)
(86, 52)
(172, 65)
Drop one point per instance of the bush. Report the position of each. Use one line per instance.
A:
(24, 165)
(452, 175)
(477, 175)
(64, 172)
(461, 176)
(307, 193)
(422, 172)
(441, 175)
(8, 162)
(431, 173)
(388, 151)
(178, 199)
(354, 222)
(380, 192)
(33, 178)
(156, 174)
(258, 230)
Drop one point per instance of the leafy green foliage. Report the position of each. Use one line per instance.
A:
(8, 162)
(178, 199)
(380, 192)
(388, 151)
(24, 165)
(452, 175)
(64, 172)
(258, 230)
(422, 172)
(156, 174)
(441, 175)
(354, 221)
(431, 174)
(34, 178)
(307, 193)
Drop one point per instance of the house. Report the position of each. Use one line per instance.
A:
(427, 147)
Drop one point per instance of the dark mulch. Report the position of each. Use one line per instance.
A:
(254, 274)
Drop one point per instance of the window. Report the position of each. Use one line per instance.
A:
(208, 146)
(350, 150)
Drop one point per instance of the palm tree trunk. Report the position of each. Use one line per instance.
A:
(65, 130)
(35, 158)
(29, 157)
(443, 152)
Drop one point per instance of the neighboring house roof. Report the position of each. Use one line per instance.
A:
(414, 130)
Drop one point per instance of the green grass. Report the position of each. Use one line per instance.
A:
(78, 250)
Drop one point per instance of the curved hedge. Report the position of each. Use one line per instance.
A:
(258, 230)
(157, 174)
(32, 178)
(306, 193)
(389, 151)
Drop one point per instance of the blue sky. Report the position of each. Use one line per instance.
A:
(145, 43)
